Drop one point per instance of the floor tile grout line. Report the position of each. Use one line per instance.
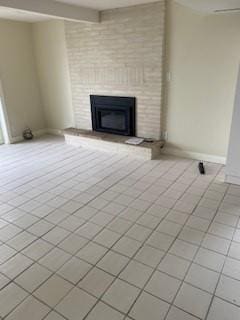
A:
(221, 272)
(69, 157)
(156, 268)
(86, 158)
(191, 262)
(123, 218)
(56, 245)
(39, 285)
(199, 246)
(50, 146)
(95, 266)
(43, 219)
(117, 277)
(60, 184)
(24, 271)
(46, 280)
(125, 280)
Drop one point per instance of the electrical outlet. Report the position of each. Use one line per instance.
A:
(169, 76)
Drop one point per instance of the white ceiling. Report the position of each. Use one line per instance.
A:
(206, 6)
(106, 4)
(20, 15)
(211, 6)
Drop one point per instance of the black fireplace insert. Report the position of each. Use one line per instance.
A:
(113, 114)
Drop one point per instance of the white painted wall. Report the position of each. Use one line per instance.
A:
(18, 77)
(202, 55)
(203, 58)
(53, 72)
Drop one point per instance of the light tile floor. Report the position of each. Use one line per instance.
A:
(96, 236)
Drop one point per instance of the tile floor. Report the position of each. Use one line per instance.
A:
(95, 236)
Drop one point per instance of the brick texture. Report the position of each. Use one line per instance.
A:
(123, 55)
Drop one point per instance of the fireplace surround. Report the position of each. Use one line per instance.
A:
(107, 62)
(113, 114)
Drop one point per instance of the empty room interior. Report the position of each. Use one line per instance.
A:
(119, 160)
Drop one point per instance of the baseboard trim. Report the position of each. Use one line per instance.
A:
(232, 179)
(56, 132)
(165, 150)
(38, 133)
(15, 139)
(194, 155)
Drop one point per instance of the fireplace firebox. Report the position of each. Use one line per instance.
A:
(113, 114)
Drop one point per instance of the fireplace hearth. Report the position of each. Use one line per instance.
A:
(113, 114)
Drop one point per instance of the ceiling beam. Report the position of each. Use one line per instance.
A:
(53, 9)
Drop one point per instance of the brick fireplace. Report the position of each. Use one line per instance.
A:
(121, 56)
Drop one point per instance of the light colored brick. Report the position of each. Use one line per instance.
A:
(123, 55)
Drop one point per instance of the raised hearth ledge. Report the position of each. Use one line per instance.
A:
(112, 143)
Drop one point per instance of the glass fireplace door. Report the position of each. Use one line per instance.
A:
(115, 120)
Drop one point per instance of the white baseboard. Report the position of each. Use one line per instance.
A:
(15, 139)
(38, 133)
(165, 150)
(232, 179)
(56, 132)
(194, 155)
